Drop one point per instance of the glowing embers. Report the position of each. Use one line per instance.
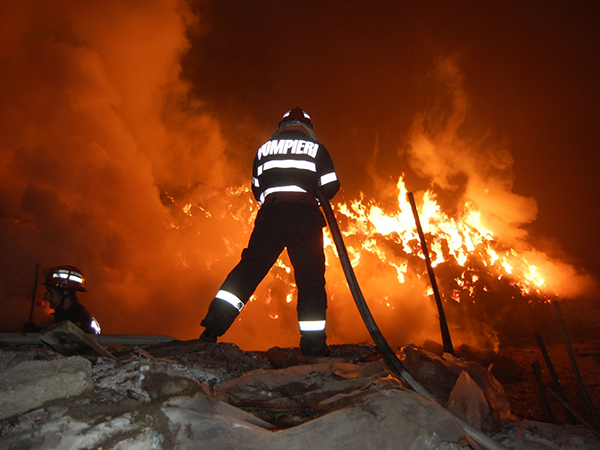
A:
(463, 240)
(466, 284)
(382, 243)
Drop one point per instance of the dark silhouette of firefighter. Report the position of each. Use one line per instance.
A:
(62, 283)
(287, 172)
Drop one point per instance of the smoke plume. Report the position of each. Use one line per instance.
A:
(116, 160)
(460, 159)
(96, 123)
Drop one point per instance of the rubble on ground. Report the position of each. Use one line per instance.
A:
(439, 374)
(224, 397)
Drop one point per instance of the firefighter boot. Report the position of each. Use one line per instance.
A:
(314, 343)
(209, 335)
(219, 318)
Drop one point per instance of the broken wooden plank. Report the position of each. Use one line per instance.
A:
(176, 348)
(132, 339)
(280, 359)
(102, 339)
(173, 348)
(69, 340)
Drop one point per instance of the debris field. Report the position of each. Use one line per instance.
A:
(195, 395)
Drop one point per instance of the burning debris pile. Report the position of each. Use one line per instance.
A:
(222, 397)
(485, 278)
(112, 158)
(153, 201)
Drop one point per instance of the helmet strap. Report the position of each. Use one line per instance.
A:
(67, 293)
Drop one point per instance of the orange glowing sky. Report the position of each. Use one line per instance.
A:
(108, 109)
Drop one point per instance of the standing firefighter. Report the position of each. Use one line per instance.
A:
(288, 169)
(62, 283)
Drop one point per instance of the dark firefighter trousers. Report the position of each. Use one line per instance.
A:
(297, 226)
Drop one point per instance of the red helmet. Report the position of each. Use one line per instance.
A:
(294, 116)
(66, 277)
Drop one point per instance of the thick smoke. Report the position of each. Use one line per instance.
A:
(112, 162)
(447, 149)
(110, 165)
(95, 124)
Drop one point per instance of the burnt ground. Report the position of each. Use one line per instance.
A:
(512, 363)
(118, 392)
(512, 366)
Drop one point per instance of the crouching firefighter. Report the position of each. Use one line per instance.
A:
(62, 283)
(287, 172)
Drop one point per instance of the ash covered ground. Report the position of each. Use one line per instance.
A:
(138, 387)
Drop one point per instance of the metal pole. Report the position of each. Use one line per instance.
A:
(589, 407)
(548, 416)
(34, 294)
(382, 345)
(557, 385)
(572, 411)
(447, 341)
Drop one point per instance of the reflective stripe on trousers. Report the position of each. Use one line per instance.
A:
(312, 325)
(230, 298)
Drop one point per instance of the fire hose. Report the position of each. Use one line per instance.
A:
(382, 345)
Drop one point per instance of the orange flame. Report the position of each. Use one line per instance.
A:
(460, 239)
(470, 260)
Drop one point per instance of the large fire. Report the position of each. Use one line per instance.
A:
(461, 240)
(106, 106)
(479, 275)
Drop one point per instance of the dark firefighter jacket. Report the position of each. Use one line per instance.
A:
(79, 315)
(293, 162)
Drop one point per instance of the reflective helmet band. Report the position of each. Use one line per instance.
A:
(297, 111)
(312, 325)
(65, 275)
(230, 298)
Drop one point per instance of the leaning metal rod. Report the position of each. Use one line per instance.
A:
(572, 411)
(447, 341)
(34, 294)
(382, 345)
(558, 387)
(587, 402)
(537, 373)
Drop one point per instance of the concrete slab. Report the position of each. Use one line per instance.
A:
(30, 384)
